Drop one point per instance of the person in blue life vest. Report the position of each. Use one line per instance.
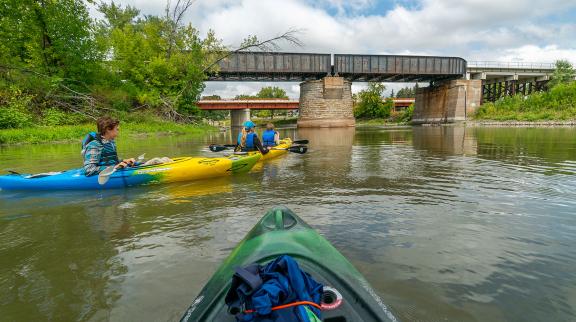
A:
(99, 149)
(248, 139)
(270, 137)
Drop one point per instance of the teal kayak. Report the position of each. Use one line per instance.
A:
(347, 296)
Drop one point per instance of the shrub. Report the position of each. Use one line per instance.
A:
(14, 107)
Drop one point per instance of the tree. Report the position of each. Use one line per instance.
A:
(370, 103)
(406, 92)
(564, 73)
(272, 92)
(212, 97)
(49, 37)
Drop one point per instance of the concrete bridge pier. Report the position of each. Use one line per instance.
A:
(238, 117)
(326, 103)
(447, 102)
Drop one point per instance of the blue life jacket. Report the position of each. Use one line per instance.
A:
(258, 289)
(268, 138)
(249, 141)
(109, 155)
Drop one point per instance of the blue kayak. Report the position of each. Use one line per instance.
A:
(180, 169)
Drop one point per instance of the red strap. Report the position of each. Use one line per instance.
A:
(279, 307)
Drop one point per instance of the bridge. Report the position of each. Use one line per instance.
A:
(264, 66)
(457, 88)
(273, 104)
(509, 78)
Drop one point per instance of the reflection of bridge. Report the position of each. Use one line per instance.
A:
(272, 104)
(456, 87)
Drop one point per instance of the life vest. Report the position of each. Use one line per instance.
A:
(108, 156)
(268, 138)
(249, 141)
(277, 292)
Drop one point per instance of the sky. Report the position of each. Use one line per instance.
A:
(477, 30)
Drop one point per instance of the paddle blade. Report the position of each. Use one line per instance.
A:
(217, 148)
(300, 142)
(104, 176)
(300, 149)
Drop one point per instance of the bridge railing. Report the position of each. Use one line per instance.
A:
(510, 65)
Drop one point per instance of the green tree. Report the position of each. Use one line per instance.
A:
(245, 97)
(370, 103)
(49, 37)
(272, 92)
(564, 73)
(406, 92)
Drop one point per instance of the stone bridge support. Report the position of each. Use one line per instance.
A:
(447, 102)
(238, 117)
(326, 103)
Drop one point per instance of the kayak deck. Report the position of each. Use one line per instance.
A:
(284, 144)
(180, 169)
(281, 232)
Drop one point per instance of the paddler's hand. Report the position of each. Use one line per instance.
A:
(121, 165)
(130, 162)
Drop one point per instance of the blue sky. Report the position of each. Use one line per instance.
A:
(494, 30)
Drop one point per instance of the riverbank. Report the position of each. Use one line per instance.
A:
(379, 122)
(556, 105)
(495, 123)
(68, 133)
(277, 122)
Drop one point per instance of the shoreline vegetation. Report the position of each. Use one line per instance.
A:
(75, 133)
(148, 71)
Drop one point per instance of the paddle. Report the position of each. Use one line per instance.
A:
(105, 174)
(300, 149)
(219, 148)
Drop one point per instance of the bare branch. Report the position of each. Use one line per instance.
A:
(266, 45)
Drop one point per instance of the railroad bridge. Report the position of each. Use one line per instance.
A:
(456, 89)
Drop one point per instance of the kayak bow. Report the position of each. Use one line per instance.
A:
(347, 295)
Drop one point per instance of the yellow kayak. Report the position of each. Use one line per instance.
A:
(284, 144)
(180, 169)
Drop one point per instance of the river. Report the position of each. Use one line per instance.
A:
(446, 223)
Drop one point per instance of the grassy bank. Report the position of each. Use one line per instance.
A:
(66, 133)
(379, 122)
(276, 122)
(557, 104)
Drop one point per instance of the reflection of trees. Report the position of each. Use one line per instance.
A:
(527, 146)
(58, 266)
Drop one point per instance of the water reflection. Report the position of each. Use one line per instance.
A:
(447, 223)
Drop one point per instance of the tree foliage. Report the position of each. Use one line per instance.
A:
(407, 92)
(370, 104)
(564, 73)
(272, 92)
(64, 62)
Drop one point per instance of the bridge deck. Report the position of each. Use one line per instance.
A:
(262, 66)
(272, 104)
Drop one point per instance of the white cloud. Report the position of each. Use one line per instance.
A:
(473, 29)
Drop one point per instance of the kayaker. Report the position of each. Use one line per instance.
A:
(248, 139)
(99, 149)
(270, 137)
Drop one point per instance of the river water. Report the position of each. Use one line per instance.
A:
(446, 223)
